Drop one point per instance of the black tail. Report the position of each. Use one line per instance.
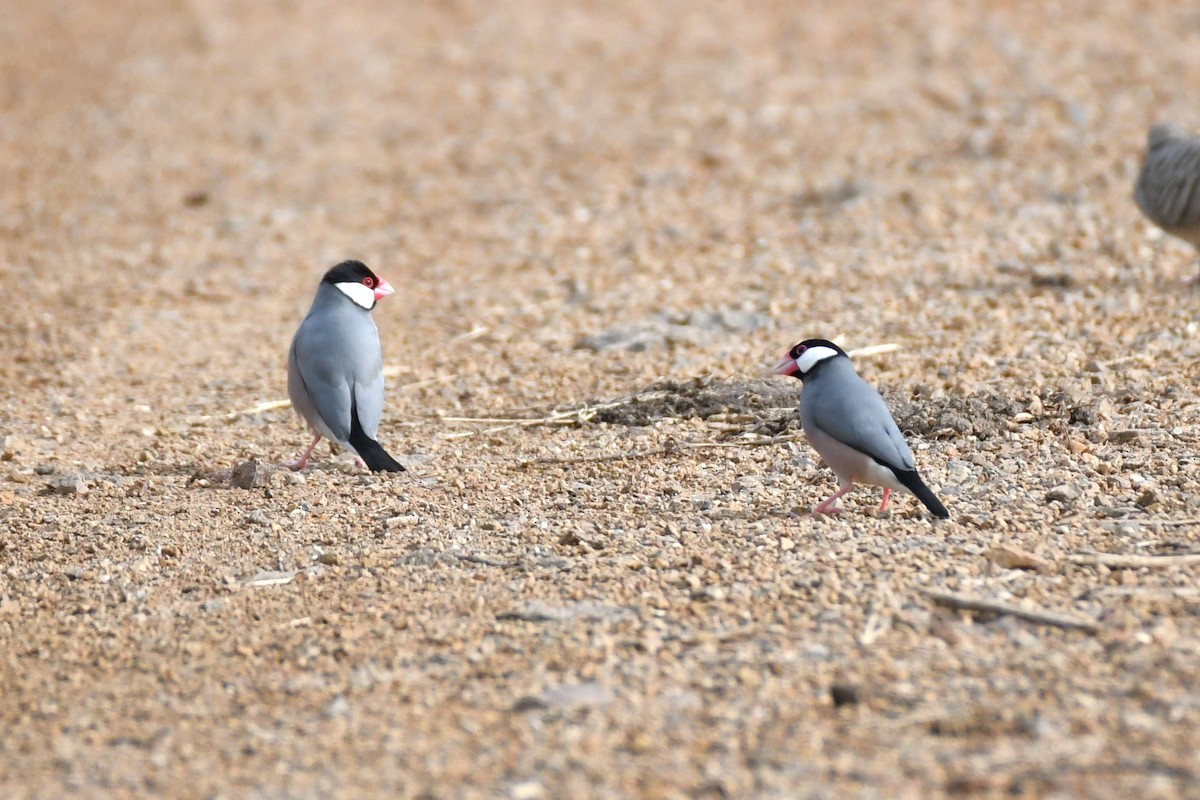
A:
(369, 450)
(912, 481)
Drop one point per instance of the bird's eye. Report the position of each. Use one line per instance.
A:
(797, 350)
(369, 282)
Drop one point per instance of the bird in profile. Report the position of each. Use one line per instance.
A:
(335, 366)
(1168, 187)
(851, 428)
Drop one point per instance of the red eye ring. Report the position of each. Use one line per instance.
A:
(369, 282)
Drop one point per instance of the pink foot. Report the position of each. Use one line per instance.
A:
(302, 462)
(827, 506)
(887, 493)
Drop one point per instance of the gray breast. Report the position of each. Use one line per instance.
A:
(1168, 187)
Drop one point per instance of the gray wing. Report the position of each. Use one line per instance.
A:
(335, 367)
(322, 391)
(853, 413)
(1168, 187)
(368, 390)
(302, 403)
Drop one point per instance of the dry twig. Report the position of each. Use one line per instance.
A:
(274, 405)
(1187, 594)
(1035, 615)
(873, 350)
(269, 405)
(883, 611)
(576, 416)
(1121, 561)
(394, 370)
(658, 451)
(1165, 523)
(471, 558)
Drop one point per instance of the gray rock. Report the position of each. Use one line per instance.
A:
(1065, 494)
(252, 474)
(68, 484)
(423, 557)
(580, 695)
(566, 698)
(634, 339)
(539, 611)
(735, 320)
(339, 706)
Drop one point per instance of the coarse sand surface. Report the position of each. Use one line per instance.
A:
(599, 577)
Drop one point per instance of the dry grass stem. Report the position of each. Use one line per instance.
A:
(879, 621)
(1121, 561)
(1039, 616)
(259, 408)
(872, 350)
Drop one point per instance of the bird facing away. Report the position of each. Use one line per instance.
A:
(850, 427)
(335, 366)
(1168, 187)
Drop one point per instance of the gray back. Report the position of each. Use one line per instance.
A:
(840, 403)
(336, 353)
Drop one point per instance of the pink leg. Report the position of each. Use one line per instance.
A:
(302, 461)
(827, 507)
(883, 506)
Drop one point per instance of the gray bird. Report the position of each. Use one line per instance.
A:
(335, 366)
(1168, 187)
(850, 427)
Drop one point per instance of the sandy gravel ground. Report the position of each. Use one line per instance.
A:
(605, 220)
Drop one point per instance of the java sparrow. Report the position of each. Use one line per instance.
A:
(335, 366)
(850, 427)
(1168, 187)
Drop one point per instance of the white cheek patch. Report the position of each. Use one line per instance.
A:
(813, 356)
(361, 294)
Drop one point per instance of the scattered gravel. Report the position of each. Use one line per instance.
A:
(599, 577)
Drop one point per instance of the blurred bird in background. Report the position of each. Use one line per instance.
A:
(1168, 187)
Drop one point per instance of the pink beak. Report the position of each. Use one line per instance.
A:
(383, 289)
(786, 366)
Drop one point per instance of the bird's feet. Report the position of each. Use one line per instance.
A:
(827, 506)
(302, 462)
